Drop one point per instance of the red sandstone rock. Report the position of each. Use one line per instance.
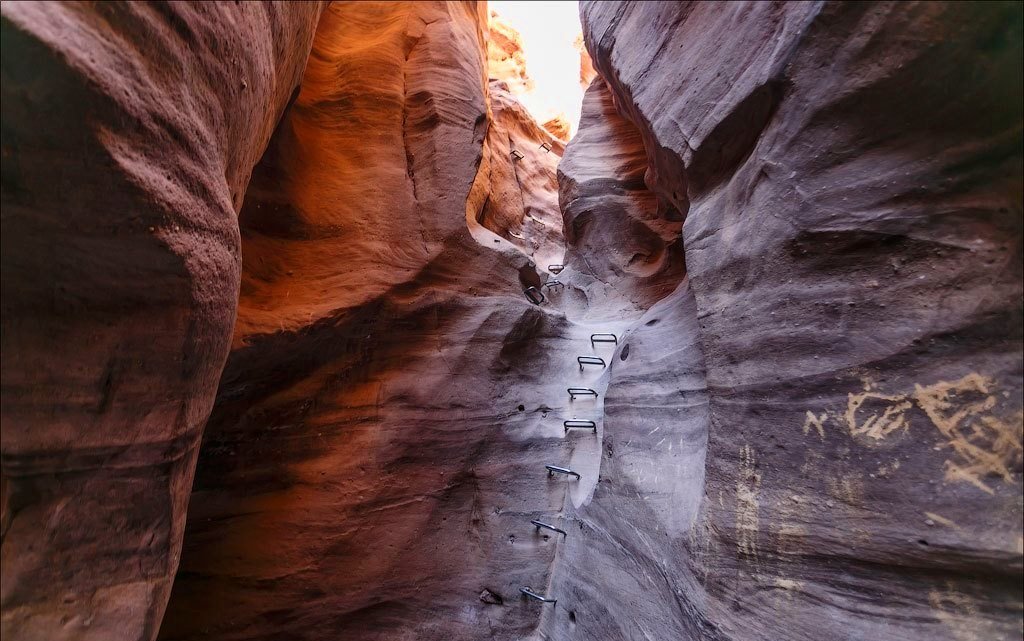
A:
(521, 174)
(367, 472)
(129, 131)
(558, 127)
(376, 448)
(587, 71)
(506, 60)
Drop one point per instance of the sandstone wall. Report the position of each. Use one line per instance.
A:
(619, 241)
(850, 175)
(376, 450)
(129, 133)
(522, 193)
(802, 221)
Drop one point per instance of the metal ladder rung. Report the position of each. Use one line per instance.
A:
(556, 268)
(517, 155)
(554, 283)
(537, 597)
(541, 524)
(603, 338)
(580, 391)
(579, 425)
(545, 146)
(590, 360)
(534, 295)
(554, 469)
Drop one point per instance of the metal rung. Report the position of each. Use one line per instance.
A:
(589, 360)
(554, 283)
(533, 595)
(554, 469)
(556, 268)
(603, 338)
(580, 391)
(517, 155)
(541, 524)
(579, 425)
(545, 146)
(534, 295)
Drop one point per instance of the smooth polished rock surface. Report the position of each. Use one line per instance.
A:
(850, 175)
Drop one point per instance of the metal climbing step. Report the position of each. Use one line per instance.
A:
(590, 360)
(579, 425)
(542, 524)
(603, 338)
(536, 597)
(580, 391)
(534, 295)
(554, 469)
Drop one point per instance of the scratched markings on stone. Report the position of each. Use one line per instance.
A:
(982, 444)
(747, 486)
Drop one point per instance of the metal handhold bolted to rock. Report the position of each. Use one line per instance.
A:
(527, 591)
(542, 524)
(554, 469)
(579, 425)
(534, 295)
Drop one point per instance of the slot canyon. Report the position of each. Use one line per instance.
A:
(311, 330)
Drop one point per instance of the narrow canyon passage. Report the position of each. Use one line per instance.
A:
(408, 340)
(295, 297)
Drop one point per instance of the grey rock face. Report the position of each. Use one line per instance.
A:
(850, 177)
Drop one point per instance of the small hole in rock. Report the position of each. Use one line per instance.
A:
(625, 352)
(572, 616)
(521, 408)
(922, 542)
(652, 323)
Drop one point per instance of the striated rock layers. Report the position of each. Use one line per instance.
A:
(521, 179)
(620, 243)
(376, 451)
(129, 132)
(506, 60)
(850, 176)
(800, 220)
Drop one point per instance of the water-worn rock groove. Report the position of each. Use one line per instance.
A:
(270, 370)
